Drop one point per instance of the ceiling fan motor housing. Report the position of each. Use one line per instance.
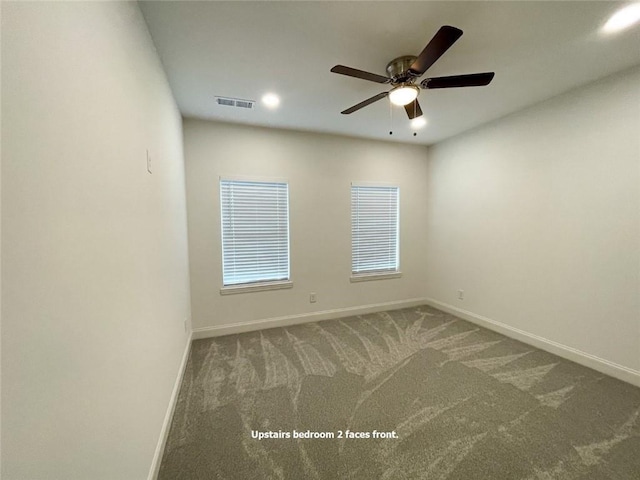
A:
(398, 68)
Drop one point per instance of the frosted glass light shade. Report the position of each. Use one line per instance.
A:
(403, 94)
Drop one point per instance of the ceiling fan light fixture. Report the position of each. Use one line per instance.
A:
(403, 94)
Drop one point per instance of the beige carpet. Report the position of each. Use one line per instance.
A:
(464, 403)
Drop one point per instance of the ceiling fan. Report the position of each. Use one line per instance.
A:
(402, 73)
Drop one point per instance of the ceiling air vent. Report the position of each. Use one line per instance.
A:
(235, 102)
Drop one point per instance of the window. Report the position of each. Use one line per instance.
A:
(374, 232)
(255, 235)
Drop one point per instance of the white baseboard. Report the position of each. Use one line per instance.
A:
(612, 369)
(164, 432)
(286, 321)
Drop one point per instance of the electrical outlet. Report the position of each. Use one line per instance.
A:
(460, 294)
(312, 297)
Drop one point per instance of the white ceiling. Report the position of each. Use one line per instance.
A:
(245, 49)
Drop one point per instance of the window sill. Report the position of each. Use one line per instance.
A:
(255, 287)
(375, 276)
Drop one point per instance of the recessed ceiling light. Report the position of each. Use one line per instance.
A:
(271, 100)
(419, 122)
(623, 18)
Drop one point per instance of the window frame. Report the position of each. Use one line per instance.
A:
(381, 274)
(259, 285)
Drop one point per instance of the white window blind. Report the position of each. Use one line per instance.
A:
(374, 229)
(255, 231)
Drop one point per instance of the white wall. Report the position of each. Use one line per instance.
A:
(94, 249)
(537, 218)
(319, 169)
(0, 259)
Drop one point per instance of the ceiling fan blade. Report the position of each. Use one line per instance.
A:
(471, 80)
(368, 101)
(440, 43)
(413, 109)
(353, 72)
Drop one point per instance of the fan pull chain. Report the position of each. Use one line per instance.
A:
(390, 118)
(415, 112)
